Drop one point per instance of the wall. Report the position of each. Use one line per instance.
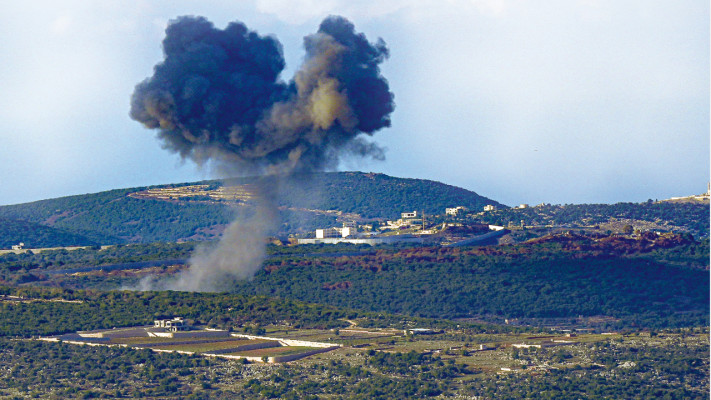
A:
(289, 342)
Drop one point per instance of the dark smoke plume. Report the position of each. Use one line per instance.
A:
(217, 96)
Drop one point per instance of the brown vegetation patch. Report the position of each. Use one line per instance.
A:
(53, 219)
(337, 286)
(615, 244)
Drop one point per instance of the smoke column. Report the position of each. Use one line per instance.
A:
(217, 97)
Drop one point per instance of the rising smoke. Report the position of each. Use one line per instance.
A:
(217, 98)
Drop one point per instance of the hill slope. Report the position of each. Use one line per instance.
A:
(569, 280)
(650, 281)
(200, 210)
(34, 235)
(680, 217)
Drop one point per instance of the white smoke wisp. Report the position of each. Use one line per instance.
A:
(237, 256)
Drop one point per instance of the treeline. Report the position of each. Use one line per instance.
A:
(666, 288)
(376, 195)
(94, 255)
(651, 281)
(679, 217)
(34, 369)
(49, 311)
(114, 217)
(88, 310)
(14, 232)
(41, 262)
(676, 370)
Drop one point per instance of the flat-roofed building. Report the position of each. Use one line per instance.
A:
(173, 325)
(327, 233)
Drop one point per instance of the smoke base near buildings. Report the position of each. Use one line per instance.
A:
(217, 98)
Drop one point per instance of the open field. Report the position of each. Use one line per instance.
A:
(204, 347)
(671, 363)
(156, 340)
(248, 347)
(273, 351)
(444, 359)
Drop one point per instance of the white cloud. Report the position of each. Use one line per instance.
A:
(490, 7)
(61, 24)
(301, 11)
(297, 12)
(580, 81)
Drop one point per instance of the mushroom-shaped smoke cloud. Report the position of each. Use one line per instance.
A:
(217, 96)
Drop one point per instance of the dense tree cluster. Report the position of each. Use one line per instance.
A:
(114, 217)
(95, 310)
(33, 235)
(675, 368)
(383, 376)
(58, 370)
(544, 280)
(637, 282)
(677, 217)
(48, 311)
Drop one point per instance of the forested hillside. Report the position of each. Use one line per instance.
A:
(14, 232)
(377, 195)
(120, 216)
(651, 281)
(557, 278)
(113, 217)
(690, 217)
(200, 211)
(386, 364)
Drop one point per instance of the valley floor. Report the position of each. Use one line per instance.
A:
(378, 364)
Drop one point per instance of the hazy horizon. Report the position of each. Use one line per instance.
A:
(589, 101)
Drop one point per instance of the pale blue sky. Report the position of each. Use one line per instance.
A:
(557, 101)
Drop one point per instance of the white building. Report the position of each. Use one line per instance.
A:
(328, 233)
(408, 215)
(455, 210)
(349, 229)
(489, 207)
(173, 325)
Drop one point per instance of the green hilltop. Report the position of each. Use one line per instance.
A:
(200, 210)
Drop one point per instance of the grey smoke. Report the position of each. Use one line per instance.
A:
(217, 97)
(238, 255)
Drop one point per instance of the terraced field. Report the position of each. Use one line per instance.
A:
(274, 351)
(236, 346)
(206, 347)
